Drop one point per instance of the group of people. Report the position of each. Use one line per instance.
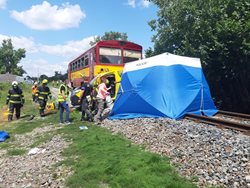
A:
(96, 104)
(42, 93)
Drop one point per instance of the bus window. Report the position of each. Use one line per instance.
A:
(130, 55)
(86, 60)
(78, 64)
(82, 62)
(110, 56)
(74, 66)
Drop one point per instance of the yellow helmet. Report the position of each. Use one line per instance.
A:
(45, 81)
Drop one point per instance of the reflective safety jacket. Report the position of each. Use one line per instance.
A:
(34, 89)
(15, 96)
(66, 93)
(43, 92)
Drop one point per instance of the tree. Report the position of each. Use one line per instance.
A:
(110, 36)
(217, 31)
(59, 76)
(9, 58)
(43, 76)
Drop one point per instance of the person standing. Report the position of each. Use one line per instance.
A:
(42, 95)
(108, 107)
(63, 94)
(100, 98)
(15, 100)
(85, 101)
(33, 90)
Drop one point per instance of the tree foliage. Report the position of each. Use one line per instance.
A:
(218, 32)
(9, 58)
(59, 76)
(110, 36)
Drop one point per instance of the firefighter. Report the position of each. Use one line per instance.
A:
(63, 94)
(15, 100)
(33, 90)
(42, 95)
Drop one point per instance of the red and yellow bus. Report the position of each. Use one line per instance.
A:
(105, 56)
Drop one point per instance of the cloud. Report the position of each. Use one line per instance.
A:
(48, 17)
(141, 3)
(36, 68)
(70, 49)
(144, 3)
(131, 3)
(36, 54)
(21, 42)
(2, 4)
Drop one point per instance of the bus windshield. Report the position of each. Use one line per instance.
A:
(130, 55)
(110, 56)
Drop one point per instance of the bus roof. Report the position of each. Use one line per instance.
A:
(112, 43)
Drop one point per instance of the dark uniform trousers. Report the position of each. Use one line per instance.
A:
(15, 99)
(42, 94)
(42, 105)
(86, 111)
(17, 108)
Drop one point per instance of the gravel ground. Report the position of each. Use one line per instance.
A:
(34, 169)
(213, 156)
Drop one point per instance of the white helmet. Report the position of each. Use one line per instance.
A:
(14, 83)
(35, 83)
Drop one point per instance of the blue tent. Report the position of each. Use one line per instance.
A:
(165, 85)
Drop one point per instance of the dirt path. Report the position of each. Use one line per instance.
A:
(37, 169)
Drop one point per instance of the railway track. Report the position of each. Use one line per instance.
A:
(234, 114)
(224, 123)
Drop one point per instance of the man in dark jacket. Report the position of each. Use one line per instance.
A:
(15, 100)
(85, 101)
(42, 94)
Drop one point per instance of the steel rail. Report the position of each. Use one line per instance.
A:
(220, 122)
(235, 114)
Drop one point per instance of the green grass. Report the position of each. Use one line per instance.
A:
(13, 152)
(102, 159)
(4, 145)
(98, 158)
(3, 93)
(42, 139)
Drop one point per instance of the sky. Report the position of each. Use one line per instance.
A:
(55, 32)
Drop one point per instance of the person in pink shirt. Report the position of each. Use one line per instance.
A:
(101, 97)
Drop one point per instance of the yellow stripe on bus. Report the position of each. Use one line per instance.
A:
(79, 73)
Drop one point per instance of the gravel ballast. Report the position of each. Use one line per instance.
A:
(211, 155)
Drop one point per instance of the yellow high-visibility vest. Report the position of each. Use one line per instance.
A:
(66, 92)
